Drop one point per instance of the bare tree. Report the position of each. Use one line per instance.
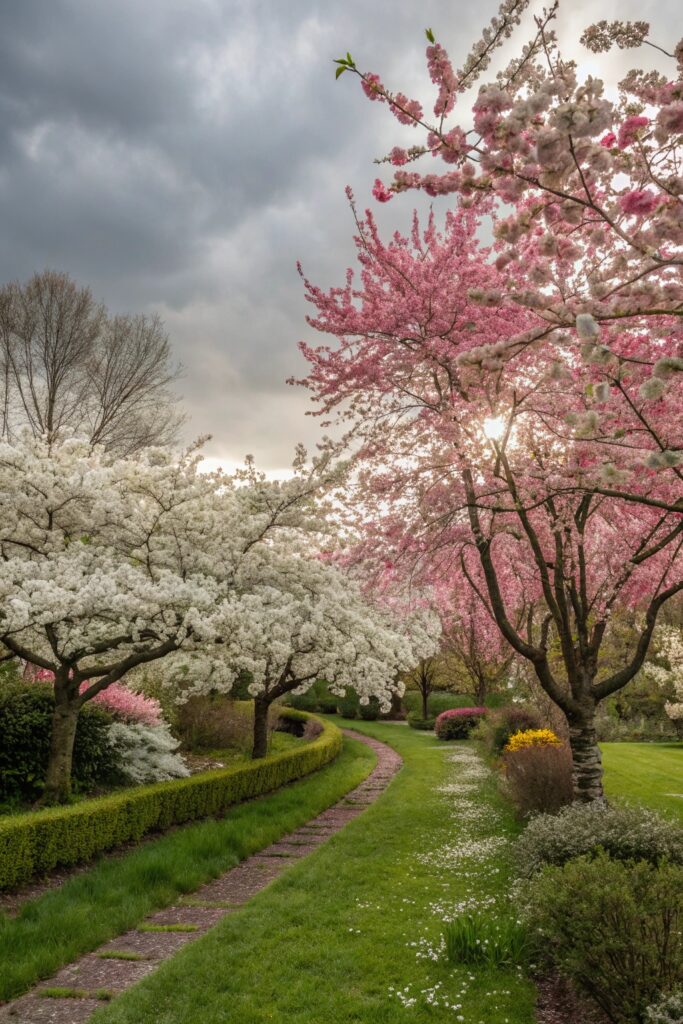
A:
(67, 365)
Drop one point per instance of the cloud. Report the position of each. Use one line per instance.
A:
(181, 156)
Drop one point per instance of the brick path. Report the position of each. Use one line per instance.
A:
(123, 961)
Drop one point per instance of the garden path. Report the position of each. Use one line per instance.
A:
(75, 992)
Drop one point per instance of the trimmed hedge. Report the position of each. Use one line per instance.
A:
(36, 842)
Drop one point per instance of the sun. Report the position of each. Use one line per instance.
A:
(494, 428)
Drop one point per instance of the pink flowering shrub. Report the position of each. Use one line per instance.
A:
(457, 723)
(117, 699)
(131, 707)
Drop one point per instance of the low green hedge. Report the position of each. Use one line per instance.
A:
(34, 843)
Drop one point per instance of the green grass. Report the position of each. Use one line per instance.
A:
(646, 773)
(117, 892)
(327, 942)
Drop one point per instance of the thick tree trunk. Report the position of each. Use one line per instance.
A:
(587, 762)
(425, 704)
(58, 777)
(260, 748)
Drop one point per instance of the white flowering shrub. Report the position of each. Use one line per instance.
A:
(146, 753)
(667, 1010)
(625, 833)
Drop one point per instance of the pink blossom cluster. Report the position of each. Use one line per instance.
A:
(442, 74)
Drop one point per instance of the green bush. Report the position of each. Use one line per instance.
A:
(369, 712)
(614, 928)
(625, 833)
(416, 722)
(349, 705)
(36, 842)
(26, 726)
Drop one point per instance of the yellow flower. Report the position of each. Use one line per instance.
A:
(532, 738)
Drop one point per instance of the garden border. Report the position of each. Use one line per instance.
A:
(36, 842)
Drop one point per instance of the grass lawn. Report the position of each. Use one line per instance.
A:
(117, 892)
(352, 933)
(646, 773)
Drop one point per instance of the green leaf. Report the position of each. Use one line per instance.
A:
(430, 35)
(340, 71)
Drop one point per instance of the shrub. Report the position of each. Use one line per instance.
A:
(625, 833)
(36, 842)
(495, 942)
(369, 712)
(667, 1010)
(26, 726)
(496, 729)
(457, 723)
(146, 753)
(215, 722)
(614, 928)
(538, 779)
(531, 738)
(416, 722)
(349, 705)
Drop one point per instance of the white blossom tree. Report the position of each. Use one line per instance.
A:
(107, 564)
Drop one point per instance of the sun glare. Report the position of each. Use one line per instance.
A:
(494, 428)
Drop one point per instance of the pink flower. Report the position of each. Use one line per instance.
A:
(608, 140)
(404, 110)
(372, 87)
(381, 192)
(628, 131)
(639, 203)
(398, 156)
(442, 74)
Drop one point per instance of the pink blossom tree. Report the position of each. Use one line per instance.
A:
(486, 460)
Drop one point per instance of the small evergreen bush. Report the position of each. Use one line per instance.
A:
(25, 727)
(415, 721)
(614, 928)
(625, 833)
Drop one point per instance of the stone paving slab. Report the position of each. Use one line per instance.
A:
(202, 917)
(93, 972)
(40, 1010)
(155, 945)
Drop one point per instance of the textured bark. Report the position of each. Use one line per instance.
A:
(260, 748)
(58, 777)
(587, 761)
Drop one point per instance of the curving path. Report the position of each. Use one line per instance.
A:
(123, 961)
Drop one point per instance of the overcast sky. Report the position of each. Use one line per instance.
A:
(179, 156)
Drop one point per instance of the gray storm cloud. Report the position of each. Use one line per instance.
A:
(180, 157)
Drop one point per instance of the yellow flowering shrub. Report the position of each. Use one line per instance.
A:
(532, 738)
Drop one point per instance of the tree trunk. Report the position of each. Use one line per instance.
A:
(58, 777)
(587, 762)
(261, 708)
(425, 704)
